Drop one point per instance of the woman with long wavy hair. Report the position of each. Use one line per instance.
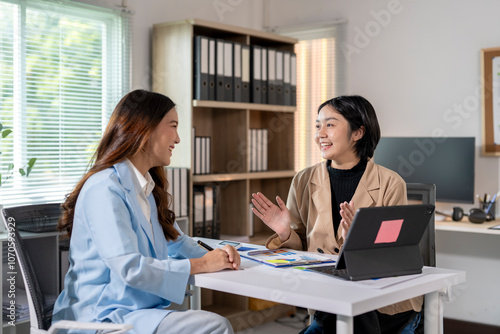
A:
(128, 258)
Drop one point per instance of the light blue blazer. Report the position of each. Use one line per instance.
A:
(119, 270)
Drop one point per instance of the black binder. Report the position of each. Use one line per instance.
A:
(279, 78)
(256, 73)
(211, 69)
(219, 70)
(245, 73)
(237, 71)
(271, 76)
(201, 68)
(264, 76)
(293, 79)
(286, 79)
(198, 211)
(228, 71)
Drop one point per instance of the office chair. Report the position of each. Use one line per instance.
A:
(40, 308)
(426, 193)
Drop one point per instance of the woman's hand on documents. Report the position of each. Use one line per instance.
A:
(215, 260)
(277, 217)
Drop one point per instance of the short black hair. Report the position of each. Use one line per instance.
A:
(358, 112)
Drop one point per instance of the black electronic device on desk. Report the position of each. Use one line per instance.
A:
(382, 242)
(34, 218)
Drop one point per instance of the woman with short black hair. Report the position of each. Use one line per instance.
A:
(323, 199)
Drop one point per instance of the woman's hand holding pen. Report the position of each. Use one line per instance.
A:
(215, 260)
(347, 213)
(277, 217)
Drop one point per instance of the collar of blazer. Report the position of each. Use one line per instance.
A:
(125, 177)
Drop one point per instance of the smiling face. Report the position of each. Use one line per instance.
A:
(163, 140)
(335, 139)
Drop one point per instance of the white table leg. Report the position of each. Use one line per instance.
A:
(195, 299)
(433, 313)
(344, 324)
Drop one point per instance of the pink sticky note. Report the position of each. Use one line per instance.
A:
(389, 231)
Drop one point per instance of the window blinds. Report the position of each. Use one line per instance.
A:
(321, 75)
(63, 67)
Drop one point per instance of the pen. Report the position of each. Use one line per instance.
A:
(204, 245)
(491, 203)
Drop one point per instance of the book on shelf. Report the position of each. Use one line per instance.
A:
(237, 72)
(202, 155)
(258, 140)
(201, 68)
(178, 188)
(206, 213)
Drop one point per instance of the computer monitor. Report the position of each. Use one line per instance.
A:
(447, 162)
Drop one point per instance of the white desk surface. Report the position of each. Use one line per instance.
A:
(466, 226)
(319, 292)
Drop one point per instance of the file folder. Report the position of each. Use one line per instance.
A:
(286, 79)
(271, 77)
(201, 68)
(209, 212)
(203, 141)
(279, 78)
(237, 72)
(293, 79)
(219, 70)
(228, 71)
(265, 149)
(197, 155)
(184, 193)
(211, 69)
(264, 77)
(260, 151)
(256, 74)
(207, 155)
(254, 151)
(177, 191)
(245, 73)
(198, 211)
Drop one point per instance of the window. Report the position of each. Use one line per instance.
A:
(321, 75)
(63, 68)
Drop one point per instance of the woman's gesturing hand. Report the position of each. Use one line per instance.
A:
(277, 217)
(347, 213)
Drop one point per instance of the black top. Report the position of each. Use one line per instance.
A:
(343, 184)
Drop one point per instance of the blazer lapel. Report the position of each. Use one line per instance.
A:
(368, 187)
(159, 243)
(125, 176)
(322, 198)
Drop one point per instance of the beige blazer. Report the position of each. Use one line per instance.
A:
(309, 202)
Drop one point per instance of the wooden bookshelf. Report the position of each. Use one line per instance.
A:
(228, 125)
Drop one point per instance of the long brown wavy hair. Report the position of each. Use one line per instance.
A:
(129, 129)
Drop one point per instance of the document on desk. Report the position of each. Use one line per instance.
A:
(284, 257)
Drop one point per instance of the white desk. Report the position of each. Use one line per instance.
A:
(465, 226)
(319, 292)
